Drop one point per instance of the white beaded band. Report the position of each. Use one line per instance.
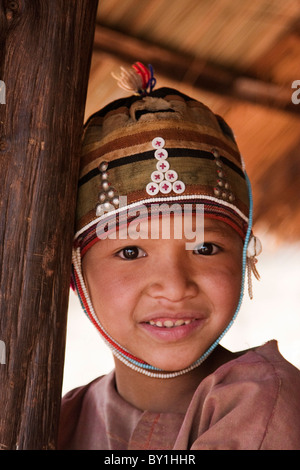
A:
(152, 200)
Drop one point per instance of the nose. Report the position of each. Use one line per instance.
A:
(173, 281)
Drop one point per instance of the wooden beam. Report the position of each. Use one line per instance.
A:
(194, 71)
(44, 63)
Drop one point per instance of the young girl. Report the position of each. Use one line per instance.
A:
(163, 240)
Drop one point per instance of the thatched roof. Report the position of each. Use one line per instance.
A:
(240, 58)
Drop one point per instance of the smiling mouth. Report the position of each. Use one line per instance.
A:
(169, 323)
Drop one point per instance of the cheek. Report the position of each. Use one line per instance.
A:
(223, 285)
(109, 292)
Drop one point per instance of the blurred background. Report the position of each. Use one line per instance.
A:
(241, 59)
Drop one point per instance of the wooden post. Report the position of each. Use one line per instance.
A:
(45, 51)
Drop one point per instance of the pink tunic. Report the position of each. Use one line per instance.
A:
(249, 403)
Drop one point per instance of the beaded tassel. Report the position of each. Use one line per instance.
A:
(253, 250)
(138, 79)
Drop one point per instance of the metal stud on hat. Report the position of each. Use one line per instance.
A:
(222, 188)
(165, 187)
(166, 178)
(178, 187)
(161, 154)
(157, 176)
(158, 143)
(163, 166)
(107, 198)
(171, 175)
(152, 189)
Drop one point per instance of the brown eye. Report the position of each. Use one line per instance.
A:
(131, 253)
(207, 249)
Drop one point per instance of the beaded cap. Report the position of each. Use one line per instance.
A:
(164, 146)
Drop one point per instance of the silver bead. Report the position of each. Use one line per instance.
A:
(111, 193)
(104, 176)
(99, 210)
(102, 197)
(107, 206)
(115, 202)
(105, 185)
(103, 166)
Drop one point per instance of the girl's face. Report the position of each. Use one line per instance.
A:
(162, 302)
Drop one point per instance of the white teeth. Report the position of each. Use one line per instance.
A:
(169, 323)
(157, 323)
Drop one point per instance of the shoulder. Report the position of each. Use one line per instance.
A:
(261, 365)
(251, 402)
(265, 358)
(265, 366)
(265, 376)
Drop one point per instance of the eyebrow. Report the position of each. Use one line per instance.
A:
(148, 234)
(219, 231)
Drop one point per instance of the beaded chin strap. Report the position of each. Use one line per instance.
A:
(252, 248)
